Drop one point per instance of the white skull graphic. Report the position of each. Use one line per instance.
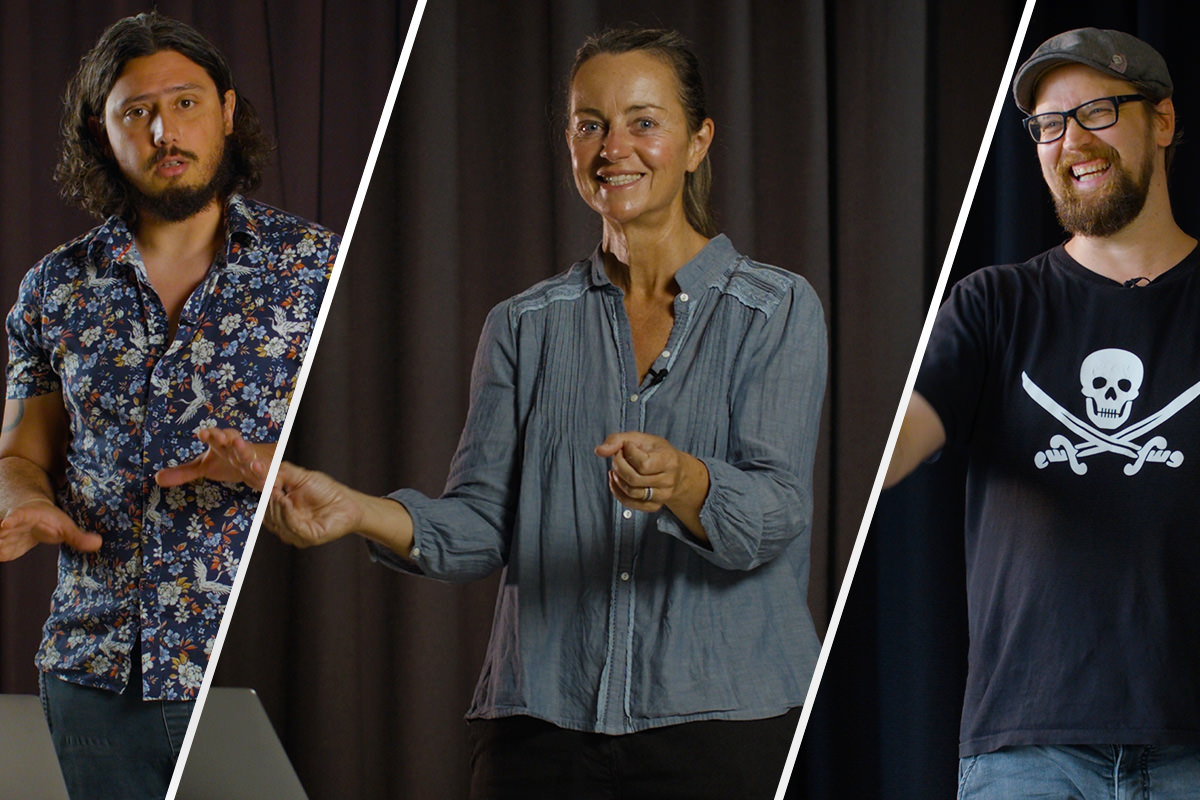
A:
(1111, 379)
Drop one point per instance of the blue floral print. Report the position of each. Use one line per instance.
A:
(89, 324)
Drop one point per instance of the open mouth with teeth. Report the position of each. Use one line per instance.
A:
(1089, 170)
(620, 180)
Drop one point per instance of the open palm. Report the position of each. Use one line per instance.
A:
(310, 508)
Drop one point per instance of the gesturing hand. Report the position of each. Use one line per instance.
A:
(308, 508)
(229, 458)
(647, 471)
(40, 521)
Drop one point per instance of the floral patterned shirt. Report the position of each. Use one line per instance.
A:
(88, 324)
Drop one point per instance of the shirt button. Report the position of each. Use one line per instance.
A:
(633, 398)
(666, 353)
(684, 296)
(627, 513)
(624, 576)
(416, 552)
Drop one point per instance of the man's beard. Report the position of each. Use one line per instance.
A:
(178, 203)
(1108, 211)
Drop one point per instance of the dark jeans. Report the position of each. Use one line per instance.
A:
(114, 746)
(521, 757)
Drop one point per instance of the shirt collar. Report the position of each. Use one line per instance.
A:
(112, 243)
(240, 220)
(702, 272)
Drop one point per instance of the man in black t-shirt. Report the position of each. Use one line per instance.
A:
(1071, 381)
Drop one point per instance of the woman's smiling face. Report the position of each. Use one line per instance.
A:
(628, 135)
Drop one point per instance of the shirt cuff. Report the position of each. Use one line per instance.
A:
(728, 507)
(411, 500)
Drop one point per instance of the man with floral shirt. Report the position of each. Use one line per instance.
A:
(145, 356)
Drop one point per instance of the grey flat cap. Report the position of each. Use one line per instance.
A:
(1112, 52)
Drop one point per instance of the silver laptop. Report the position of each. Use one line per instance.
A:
(236, 754)
(28, 766)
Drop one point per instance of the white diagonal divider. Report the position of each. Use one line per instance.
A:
(301, 380)
(939, 290)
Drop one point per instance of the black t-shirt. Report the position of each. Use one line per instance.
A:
(1077, 401)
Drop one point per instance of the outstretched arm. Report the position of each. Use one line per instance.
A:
(921, 435)
(32, 449)
(310, 508)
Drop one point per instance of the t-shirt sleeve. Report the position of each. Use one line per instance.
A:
(30, 371)
(954, 367)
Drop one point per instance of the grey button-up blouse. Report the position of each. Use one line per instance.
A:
(612, 620)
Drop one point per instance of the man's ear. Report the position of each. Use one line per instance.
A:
(1164, 122)
(96, 127)
(228, 105)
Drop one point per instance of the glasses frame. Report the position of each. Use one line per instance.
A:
(1117, 101)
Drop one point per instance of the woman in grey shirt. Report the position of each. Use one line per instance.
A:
(637, 459)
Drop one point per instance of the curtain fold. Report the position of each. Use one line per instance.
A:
(885, 724)
(845, 135)
(832, 159)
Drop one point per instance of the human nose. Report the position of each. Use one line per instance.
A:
(1073, 132)
(615, 145)
(163, 129)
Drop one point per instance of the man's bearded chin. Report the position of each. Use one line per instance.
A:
(1103, 213)
(182, 202)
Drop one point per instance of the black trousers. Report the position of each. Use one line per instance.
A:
(523, 758)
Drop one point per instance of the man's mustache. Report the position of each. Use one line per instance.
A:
(1103, 151)
(167, 152)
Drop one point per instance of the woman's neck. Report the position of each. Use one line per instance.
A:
(645, 261)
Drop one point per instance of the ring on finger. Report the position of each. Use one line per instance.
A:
(649, 494)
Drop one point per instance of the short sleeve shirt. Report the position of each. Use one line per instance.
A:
(88, 324)
(1078, 402)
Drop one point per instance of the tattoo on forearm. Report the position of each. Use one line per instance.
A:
(18, 412)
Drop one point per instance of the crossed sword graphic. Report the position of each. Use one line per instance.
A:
(1096, 441)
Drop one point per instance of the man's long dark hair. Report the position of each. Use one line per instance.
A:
(87, 174)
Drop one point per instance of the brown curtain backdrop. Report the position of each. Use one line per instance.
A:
(845, 134)
(317, 73)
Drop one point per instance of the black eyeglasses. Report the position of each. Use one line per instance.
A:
(1094, 115)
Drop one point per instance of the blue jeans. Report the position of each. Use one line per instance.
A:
(1094, 772)
(114, 746)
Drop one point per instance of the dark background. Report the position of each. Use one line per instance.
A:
(316, 72)
(885, 723)
(845, 134)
